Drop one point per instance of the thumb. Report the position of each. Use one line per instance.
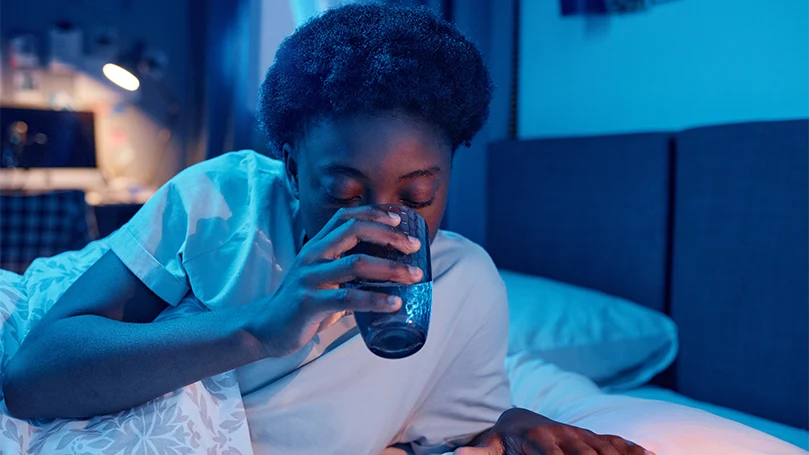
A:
(332, 319)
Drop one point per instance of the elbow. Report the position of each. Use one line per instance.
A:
(18, 400)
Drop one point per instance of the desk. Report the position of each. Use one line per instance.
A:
(44, 212)
(41, 225)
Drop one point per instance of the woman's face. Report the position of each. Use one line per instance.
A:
(362, 160)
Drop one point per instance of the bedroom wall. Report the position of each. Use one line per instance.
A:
(277, 22)
(681, 64)
(130, 128)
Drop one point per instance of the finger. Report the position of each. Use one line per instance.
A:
(365, 212)
(618, 442)
(526, 447)
(539, 440)
(335, 300)
(577, 447)
(635, 449)
(603, 447)
(623, 446)
(332, 319)
(491, 445)
(354, 231)
(364, 267)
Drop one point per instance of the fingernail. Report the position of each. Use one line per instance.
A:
(413, 270)
(393, 300)
(394, 216)
(413, 240)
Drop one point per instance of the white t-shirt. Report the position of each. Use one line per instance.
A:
(228, 229)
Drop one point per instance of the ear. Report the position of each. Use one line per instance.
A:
(291, 167)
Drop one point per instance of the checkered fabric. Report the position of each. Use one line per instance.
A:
(42, 225)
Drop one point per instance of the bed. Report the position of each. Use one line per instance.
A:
(619, 254)
(706, 228)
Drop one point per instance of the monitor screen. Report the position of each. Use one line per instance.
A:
(32, 138)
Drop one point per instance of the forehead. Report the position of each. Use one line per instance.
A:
(376, 144)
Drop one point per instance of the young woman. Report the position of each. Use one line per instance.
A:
(364, 105)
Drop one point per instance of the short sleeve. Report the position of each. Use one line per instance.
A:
(474, 391)
(195, 212)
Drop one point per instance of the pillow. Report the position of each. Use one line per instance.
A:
(616, 343)
(661, 427)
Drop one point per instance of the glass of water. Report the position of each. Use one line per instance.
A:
(403, 333)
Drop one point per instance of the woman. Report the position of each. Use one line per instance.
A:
(363, 105)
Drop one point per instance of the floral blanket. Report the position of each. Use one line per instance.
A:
(206, 417)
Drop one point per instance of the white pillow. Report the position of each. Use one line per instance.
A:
(661, 427)
(616, 343)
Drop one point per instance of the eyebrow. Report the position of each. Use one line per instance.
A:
(351, 172)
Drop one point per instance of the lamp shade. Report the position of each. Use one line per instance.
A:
(121, 77)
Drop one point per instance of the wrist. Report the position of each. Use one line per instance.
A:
(244, 334)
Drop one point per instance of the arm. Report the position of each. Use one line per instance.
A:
(97, 352)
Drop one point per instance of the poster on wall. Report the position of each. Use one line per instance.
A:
(66, 48)
(598, 7)
(23, 52)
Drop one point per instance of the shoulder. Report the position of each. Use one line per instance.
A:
(463, 264)
(234, 179)
(454, 253)
(241, 165)
(208, 203)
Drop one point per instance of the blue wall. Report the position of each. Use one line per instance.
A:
(489, 23)
(681, 64)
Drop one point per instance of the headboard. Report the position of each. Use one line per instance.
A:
(590, 211)
(707, 225)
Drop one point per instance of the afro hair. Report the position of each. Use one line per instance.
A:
(372, 58)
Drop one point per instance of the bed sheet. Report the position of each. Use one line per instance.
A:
(792, 435)
(205, 417)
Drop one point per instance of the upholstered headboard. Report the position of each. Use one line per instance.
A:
(707, 225)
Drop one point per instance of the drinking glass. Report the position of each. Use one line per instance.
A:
(403, 333)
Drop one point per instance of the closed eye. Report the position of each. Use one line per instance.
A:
(339, 201)
(418, 205)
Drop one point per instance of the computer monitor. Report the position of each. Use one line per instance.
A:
(33, 138)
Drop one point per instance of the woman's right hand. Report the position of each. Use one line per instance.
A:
(310, 297)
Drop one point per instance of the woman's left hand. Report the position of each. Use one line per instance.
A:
(522, 432)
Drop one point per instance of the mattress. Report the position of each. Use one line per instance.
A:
(792, 435)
